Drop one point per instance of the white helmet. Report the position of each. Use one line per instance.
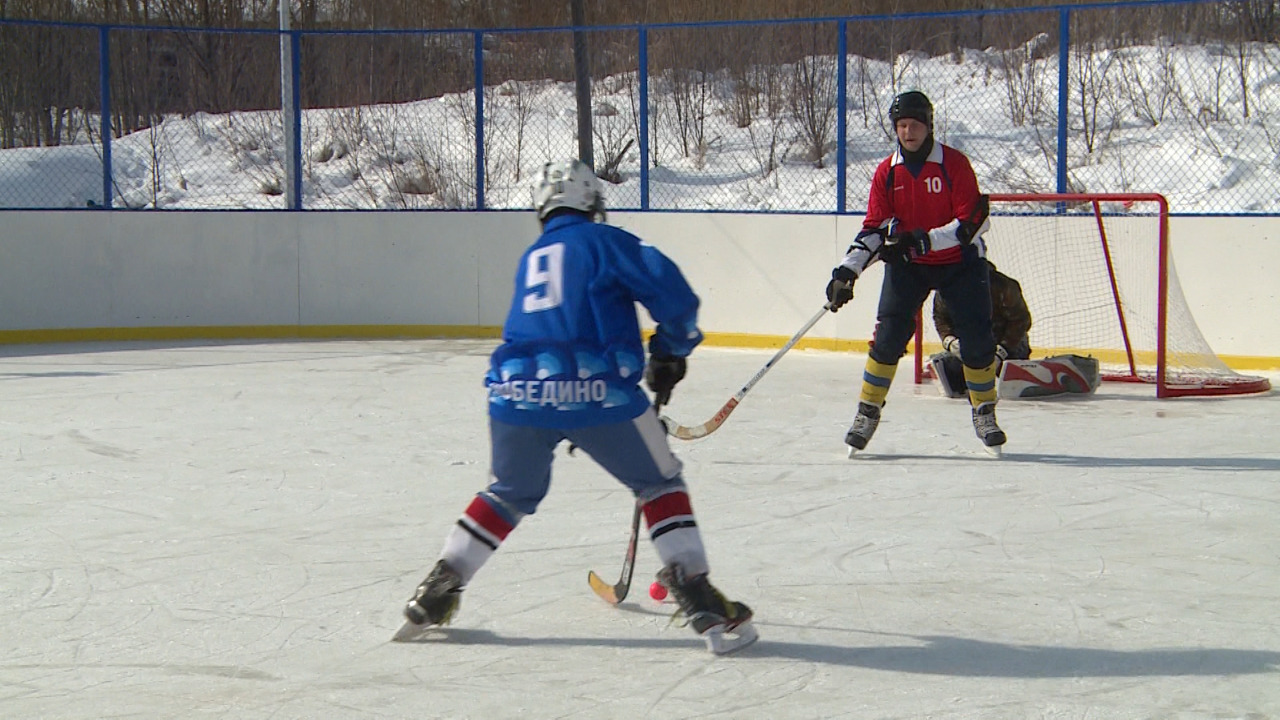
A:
(567, 184)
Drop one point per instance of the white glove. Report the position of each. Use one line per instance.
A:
(1001, 353)
(951, 344)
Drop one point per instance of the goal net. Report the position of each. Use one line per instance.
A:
(1098, 276)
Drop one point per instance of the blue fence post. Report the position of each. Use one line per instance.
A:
(1064, 93)
(295, 152)
(104, 85)
(643, 41)
(842, 109)
(479, 82)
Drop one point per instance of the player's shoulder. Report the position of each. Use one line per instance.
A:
(952, 156)
(880, 178)
(613, 241)
(617, 233)
(1001, 278)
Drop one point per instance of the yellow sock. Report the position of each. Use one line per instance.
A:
(876, 380)
(981, 383)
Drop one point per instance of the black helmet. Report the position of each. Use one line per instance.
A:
(912, 104)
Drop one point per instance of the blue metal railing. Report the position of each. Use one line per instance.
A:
(291, 41)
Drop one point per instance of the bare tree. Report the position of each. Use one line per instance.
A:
(1150, 92)
(1091, 72)
(516, 100)
(1248, 22)
(1024, 78)
(689, 101)
(813, 102)
(254, 139)
(612, 132)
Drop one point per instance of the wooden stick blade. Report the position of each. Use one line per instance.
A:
(612, 594)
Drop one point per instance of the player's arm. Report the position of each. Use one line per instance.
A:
(865, 248)
(1012, 307)
(941, 317)
(971, 209)
(942, 323)
(657, 283)
(662, 289)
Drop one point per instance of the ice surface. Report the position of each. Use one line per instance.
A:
(230, 530)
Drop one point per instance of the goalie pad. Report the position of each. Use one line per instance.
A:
(1047, 377)
(950, 373)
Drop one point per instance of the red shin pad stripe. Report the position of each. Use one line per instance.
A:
(665, 507)
(483, 515)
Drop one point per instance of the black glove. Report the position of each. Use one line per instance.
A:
(903, 247)
(662, 374)
(840, 289)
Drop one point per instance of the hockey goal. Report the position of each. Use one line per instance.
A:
(1099, 279)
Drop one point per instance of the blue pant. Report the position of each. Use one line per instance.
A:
(965, 288)
(635, 452)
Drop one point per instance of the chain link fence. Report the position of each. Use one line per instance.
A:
(787, 116)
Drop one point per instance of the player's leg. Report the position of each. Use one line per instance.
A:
(901, 294)
(520, 466)
(637, 454)
(967, 293)
(966, 290)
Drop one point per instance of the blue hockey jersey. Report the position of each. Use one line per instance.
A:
(572, 354)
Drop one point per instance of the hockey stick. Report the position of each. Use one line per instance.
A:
(710, 426)
(614, 594)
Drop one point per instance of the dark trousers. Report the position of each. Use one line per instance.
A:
(964, 287)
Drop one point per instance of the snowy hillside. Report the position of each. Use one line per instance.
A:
(1162, 119)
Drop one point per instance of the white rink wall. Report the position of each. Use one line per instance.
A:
(84, 275)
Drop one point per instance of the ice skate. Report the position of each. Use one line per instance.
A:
(724, 624)
(434, 603)
(984, 424)
(864, 426)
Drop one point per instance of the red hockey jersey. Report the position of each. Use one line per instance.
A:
(945, 192)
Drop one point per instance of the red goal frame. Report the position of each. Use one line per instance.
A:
(1216, 381)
